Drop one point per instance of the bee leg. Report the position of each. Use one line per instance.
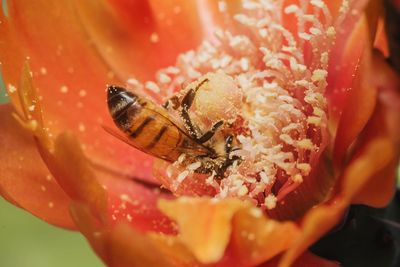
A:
(209, 134)
(228, 144)
(190, 127)
(186, 103)
(229, 160)
(173, 102)
(207, 165)
(187, 100)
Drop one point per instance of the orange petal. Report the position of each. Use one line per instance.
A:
(25, 179)
(316, 223)
(109, 196)
(122, 245)
(385, 178)
(374, 157)
(32, 121)
(175, 250)
(129, 248)
(68, 164)
(64, 158)
(382, 172)
(91, 228)
(388, 82)
(129, 33)
(70, 77)
(383, 125)
(365, 168)
(256, 239)
(360, 101)
(82, 182)
(205, 226)
(228, 231)
(345, 55)
(135, 204)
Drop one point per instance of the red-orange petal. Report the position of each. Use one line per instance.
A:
(316, 223)
(72, 171)
(111, 198)
(383, 124)
(128, 247)
(91, 228)
(70, 77)
(25, 180)
(128, 34)
(83, 181)
(383, 179)
(345, 55)
(209, 236)
(121, 244)
(361, 100)
(135, 204)
(256, 239)
(64, 157)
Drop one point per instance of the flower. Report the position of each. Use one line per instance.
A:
(317, 65)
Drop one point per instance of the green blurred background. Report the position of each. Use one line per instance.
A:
(26, 241)
(3, 94)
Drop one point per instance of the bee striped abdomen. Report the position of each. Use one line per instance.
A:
(159, 132)
(123, 106)
(144, 124)
(157, 138)
(136, 132)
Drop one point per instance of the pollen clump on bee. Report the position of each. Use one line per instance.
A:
(267, 87)
(219, 99)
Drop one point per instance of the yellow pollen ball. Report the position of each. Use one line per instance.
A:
(219, 98)
(297, 178)
(242, 191)
(305, 144)
(314, 120)
(11, 88)
(318, 112)
(270, 201)
(305, 168)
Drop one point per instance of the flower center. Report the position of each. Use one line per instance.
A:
(266, 83)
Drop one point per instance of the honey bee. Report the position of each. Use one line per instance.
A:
(152, 129)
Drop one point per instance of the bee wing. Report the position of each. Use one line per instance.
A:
(127, 141)
(191, 148)
(196, 150)
(117, 135)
